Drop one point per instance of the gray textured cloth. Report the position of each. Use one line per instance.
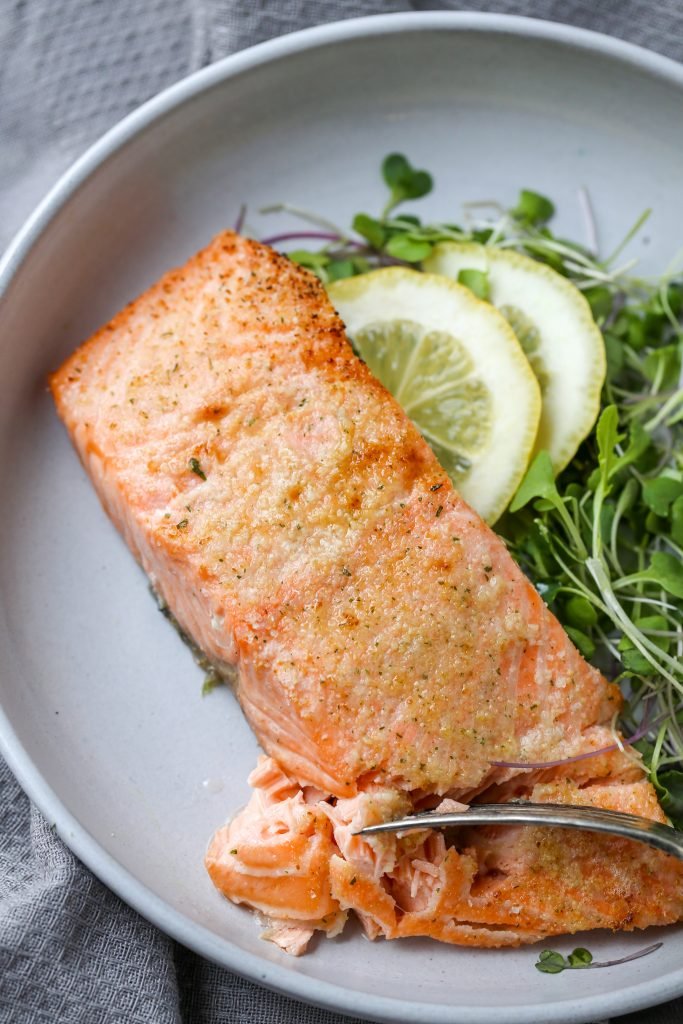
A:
(70, 951)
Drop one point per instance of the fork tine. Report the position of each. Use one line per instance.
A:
(593, 819)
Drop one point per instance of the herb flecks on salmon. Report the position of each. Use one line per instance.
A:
(388, 649)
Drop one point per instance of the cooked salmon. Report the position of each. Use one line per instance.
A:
(387, 650)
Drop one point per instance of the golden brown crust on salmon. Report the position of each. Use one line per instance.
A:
(300, 529)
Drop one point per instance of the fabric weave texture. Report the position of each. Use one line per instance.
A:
(70, 951)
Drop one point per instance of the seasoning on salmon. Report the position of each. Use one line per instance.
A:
(387, 648)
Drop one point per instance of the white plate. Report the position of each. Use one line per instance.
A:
(102, 719)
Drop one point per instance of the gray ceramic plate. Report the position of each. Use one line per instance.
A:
(102, 718)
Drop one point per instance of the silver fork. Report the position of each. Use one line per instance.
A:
(592, 819)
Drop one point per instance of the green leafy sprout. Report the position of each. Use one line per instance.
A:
(603, 542)
(404, 181)
(550, 962)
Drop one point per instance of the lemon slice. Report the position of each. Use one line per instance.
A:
(555, 326)
(456, 367)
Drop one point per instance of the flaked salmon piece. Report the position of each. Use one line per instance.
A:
(373, 855)
(485, 886)
(280, 847)
(387, 648)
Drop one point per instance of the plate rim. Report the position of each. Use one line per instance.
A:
(275, 976)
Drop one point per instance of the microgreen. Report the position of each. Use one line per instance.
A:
(551, 962)
(477, 281)
(604, 539)
(532, 208)
(370, 229)
(403, 180)
(603, 542)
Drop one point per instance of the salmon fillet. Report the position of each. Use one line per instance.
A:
(385, 648)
